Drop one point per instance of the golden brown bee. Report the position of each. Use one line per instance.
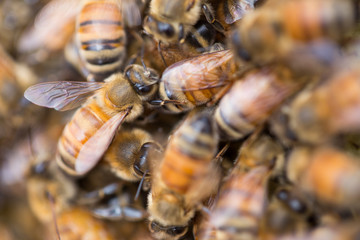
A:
(169, 21)
(99, 43)
(320, 112)
(196, 81)
(252, 100)
(90, 131)
(272, 31)
(76, 223)
(185, 177)
(230, 11)
(239, 207)
(329, 174)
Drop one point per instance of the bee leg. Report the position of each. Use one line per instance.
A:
(219, 157)
(209, 15)
(115, 212)
(53, 213)
(219, 95)
(97, 195)
(163, 102)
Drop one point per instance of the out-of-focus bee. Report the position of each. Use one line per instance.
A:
(169, 21)
(289, 211)
(240, 206)
(338, 231)
(46, 182)
(230, 11)
(100, 36)
(327, 173)
(260, 149)
(15, 112)
(185, 177)
(89, 133)
(196, 81)
(268, 34)
(76, 223)
(252, 100)
(319, 113)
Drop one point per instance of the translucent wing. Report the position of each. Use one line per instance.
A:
(92, 151)
(202, 72)
(131, 13)
(53, 26)
(61, 95)
(237, 9)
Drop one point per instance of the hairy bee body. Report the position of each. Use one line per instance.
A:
(196, 81)
(252, 100)
(116, 96)
(101, 37)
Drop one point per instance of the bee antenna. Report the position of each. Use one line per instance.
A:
(161, 55)
(140, 185)
(53, 213)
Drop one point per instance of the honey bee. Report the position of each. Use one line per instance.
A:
(76, 223)
(186, 176)
(319, 113)
(327, 173)
(272, 31)
(170, 21)
(196, 81)
(230, 11)
(289, 211)
(90, 131)
(252, 100)
(240, 206)
(98, 47)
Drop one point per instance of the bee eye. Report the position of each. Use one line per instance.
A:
(175, 231)
(166, 29)
(142, 89)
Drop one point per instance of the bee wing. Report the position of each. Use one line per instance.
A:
(52, 28)
(212, 70)
(237, 9)
(131, 13)
(61, 95)
(92, 151)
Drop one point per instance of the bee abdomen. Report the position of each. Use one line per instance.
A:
(85, 122)
(101, 36)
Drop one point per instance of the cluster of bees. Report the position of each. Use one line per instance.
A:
(195, 119)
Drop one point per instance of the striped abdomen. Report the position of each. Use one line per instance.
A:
(101, 37)
(83, 125)
(197, 80)
(188, 156)
(251, 101)
(240, 206)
